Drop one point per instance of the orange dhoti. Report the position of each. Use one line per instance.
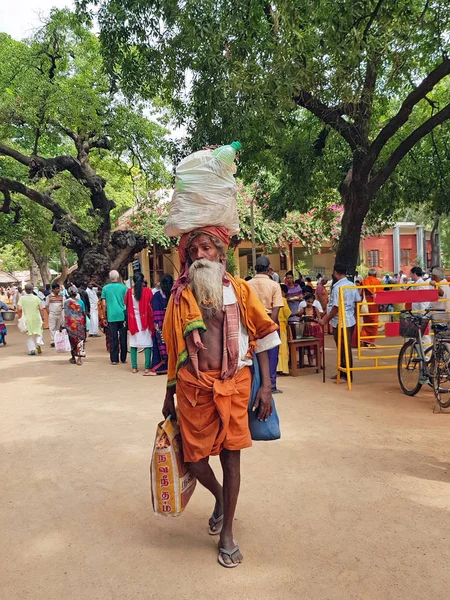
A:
(370, 330)
(212, 413)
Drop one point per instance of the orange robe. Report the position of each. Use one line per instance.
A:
(212, 412)
(369, 331)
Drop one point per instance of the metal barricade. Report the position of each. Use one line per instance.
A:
(364, 352)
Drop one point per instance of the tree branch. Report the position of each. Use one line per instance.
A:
(372, 18)
(330, 116)
(6, 207)
(100, 142)
(417, 94)
(7, 151)
(63, 222)
(81, 170)
(406, 145)
(73, 136)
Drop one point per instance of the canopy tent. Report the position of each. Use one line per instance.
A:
(7, 279)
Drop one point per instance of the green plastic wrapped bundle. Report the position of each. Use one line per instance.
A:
(205, 192)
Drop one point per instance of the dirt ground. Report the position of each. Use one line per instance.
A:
(352, 503)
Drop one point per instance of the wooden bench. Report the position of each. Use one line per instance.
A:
(297, 362)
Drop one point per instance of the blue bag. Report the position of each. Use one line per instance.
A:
(261, 430)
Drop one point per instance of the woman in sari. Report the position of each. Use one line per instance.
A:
(159, 304)
(283, 316)
(75, 324)
(294, 296)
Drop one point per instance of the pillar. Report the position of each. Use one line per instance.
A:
(421, 260)
(396, 248)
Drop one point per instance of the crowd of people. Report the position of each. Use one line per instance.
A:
(83, 311)
(132, 318)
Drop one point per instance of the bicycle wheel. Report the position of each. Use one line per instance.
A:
(409, 368)
(441, 379)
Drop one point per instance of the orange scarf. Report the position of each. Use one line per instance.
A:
(183, 324)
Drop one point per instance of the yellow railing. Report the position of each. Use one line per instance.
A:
(360, 325)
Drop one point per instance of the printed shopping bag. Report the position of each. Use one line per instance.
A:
(62, 343)
(172, 483)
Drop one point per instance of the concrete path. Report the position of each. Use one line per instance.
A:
(352, 503)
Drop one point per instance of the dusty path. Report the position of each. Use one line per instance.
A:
(352, 503)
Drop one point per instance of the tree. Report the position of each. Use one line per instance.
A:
(69, 143)
(361, 68)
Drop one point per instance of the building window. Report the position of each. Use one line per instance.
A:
(373, 258)
(283, 262)
(405, 256)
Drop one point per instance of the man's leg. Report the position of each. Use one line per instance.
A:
(31, 343)
(123, 342)
(273, 362)
(94, 321)
(205, 475)
(113, 341)
(349, 333)
(231, 465)
(52, 325)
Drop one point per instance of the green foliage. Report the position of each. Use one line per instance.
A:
(253, 68)
(232, 266)
(53, 88)
(13, 257)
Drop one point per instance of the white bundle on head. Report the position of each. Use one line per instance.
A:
(205, 195)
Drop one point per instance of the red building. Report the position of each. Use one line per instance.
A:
(398, 249)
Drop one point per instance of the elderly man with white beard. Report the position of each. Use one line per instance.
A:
(213, 327)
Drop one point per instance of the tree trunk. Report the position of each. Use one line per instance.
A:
(65, 269)
(44, 270)
(40, 259)
(356, 202)
(96, 262)
(34, 273)
(155, 265)
(435, 244)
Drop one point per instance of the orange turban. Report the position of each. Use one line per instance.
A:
(218, 232)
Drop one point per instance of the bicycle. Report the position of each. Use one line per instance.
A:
(416, 366)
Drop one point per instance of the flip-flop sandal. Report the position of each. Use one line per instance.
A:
(215, 521)
(149, 374)
(135, 370)
(229, 553)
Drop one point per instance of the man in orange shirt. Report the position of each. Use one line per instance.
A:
(213, 326)
(269, 292)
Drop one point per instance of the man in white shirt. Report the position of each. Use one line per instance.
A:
(417, 277)
(351, 297)
(438, 277)
(91, 292)
(54, 303)
(269, 292)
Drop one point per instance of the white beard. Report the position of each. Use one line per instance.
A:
(205, 280)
